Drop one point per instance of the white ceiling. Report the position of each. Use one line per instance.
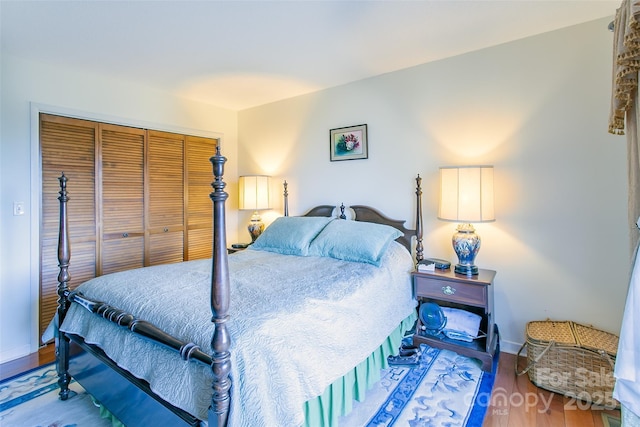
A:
(240, 54)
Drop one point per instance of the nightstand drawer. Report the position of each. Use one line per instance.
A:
(463, 293)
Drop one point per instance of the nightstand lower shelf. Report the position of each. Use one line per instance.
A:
(475, 349)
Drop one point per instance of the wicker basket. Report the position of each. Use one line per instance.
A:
(572, 359)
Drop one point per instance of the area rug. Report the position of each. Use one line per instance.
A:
(443, 389)
(609, 420)
(31, 400)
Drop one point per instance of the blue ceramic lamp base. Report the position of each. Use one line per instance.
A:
(466, 244)
(255, 227)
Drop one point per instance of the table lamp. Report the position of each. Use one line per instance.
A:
(466, 196)
(254, 196)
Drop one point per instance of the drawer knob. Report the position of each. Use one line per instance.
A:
(448, 290)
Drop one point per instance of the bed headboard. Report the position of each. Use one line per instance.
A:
(369, 214)
(322, 210)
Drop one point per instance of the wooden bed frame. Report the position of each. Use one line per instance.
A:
(141, 402)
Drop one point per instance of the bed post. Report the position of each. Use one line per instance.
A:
(286, 198)
(220, 295)
(419, 248)
(64, 255)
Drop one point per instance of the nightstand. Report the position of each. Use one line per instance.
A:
(471, 293)
(231, 249)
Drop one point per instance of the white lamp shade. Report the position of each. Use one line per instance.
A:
(254, 192)
(466, 194)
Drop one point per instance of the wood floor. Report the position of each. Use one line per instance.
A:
(515, 401)
(14, 367)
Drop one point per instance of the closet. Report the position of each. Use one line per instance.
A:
(138, 197)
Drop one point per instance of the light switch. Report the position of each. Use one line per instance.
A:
(18, 208)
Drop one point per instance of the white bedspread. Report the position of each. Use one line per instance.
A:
(297, 324)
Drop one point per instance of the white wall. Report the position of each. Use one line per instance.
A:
(27, 88)
(537, 110)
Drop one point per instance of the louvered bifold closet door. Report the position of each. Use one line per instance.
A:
(165, 214)
(199, 204)
(66, 145)
(122, 210)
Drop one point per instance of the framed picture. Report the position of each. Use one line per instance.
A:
(348, 143)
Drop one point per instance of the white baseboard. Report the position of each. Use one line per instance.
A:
(511, 347)
(14, 353)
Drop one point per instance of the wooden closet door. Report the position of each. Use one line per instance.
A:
(66, 145)
(199, 204)
(165, 213)
(133, 193)
(122, 188)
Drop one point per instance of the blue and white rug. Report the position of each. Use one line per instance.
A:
(31, 400)
(444, 389)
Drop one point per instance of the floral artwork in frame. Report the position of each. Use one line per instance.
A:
(349, 143)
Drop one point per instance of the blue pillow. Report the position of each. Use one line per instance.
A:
(290, 235)
(354, 241)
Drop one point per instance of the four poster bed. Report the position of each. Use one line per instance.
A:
(287, 332)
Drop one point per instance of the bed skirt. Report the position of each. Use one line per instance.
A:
(337, 399)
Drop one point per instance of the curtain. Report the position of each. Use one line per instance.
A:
(624, 98)
(624, 111)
